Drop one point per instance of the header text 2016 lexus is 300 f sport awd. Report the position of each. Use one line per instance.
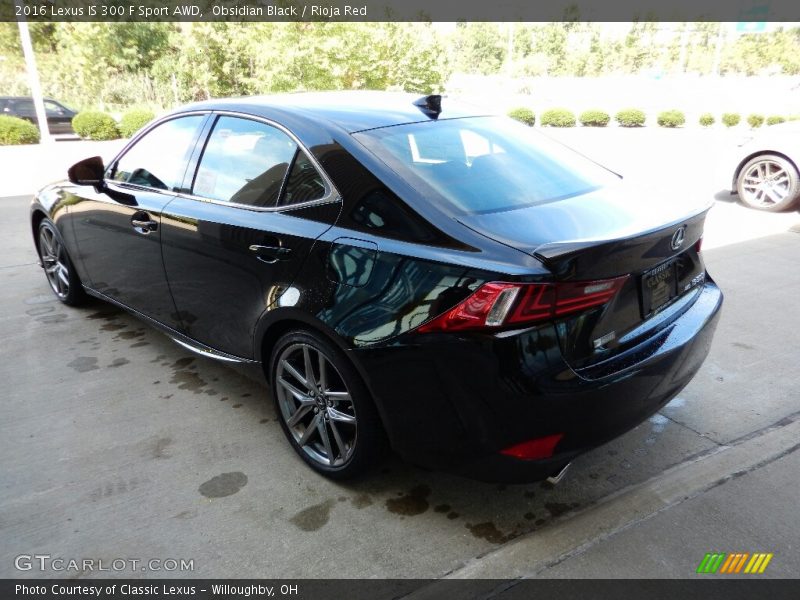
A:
(410, 273)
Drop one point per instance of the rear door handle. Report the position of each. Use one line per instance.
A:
(271, 254)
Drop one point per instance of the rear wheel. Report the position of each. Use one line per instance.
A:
(324, 407)
(58, 268)
(769, 182)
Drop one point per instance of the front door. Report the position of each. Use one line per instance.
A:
(118, 231)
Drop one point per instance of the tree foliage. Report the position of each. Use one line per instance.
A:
(114, 66)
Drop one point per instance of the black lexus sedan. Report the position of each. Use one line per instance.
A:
(409, 272)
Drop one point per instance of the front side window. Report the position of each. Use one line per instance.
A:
(158, 160)
(244, 162)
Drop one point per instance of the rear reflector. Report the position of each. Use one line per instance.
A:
(497, 304)
(532, 449)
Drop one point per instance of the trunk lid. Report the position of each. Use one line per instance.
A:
(604, 234)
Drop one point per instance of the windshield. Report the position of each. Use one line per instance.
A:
(485, 164)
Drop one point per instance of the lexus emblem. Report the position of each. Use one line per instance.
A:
(678, 237)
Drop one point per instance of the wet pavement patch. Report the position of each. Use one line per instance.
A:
(557, 508)
(188, 381)
(362, 501)
(223, 485)
(118, 362)
(489, 532)
(160, 447)
(413, 503)
(82, 364)
(314, 517)
(105, 314)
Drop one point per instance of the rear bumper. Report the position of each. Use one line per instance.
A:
(453, 402)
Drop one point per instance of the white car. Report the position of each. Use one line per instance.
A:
(764, 168)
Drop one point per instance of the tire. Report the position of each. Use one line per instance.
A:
(331, 422)
(57, 265)
(769, 182)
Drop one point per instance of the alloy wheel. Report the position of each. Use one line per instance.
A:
(316, 405)
(54, 261)
(765, 183)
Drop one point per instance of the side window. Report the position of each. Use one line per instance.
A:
(304, 183)
(52, 108)
(244, 162)
(158, 160)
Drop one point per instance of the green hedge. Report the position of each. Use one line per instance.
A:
(133, 120)
(630, 117)
(755, 120)
(558, 117)
(95, 125)
(14, 131)
(594, 118)
(731, 119)
(707, 119)
(775, 119)
(523, 115)
(671, 118)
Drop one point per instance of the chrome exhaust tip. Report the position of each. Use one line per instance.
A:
(554, 479)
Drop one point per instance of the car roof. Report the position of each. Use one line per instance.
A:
(350, 111)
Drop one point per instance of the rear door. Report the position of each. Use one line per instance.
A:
(234, 244)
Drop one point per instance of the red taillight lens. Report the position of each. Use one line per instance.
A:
(496, 304)
(532, 449)
(698, 245)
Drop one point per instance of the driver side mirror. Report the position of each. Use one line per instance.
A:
(89, 171)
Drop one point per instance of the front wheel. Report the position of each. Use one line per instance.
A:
(324, 407)
(58, 268)
(769, 182)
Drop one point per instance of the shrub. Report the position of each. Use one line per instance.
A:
(755, 120)
(630, 117)
(558, 117)
(95, 125)
(731, 119)
(671, 118)
(594, 118)
(775, 119)
(523, 115)
(133, 120)
(14, 131)
(707, 119)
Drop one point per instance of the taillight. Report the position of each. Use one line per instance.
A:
(698, 245)
(499, 304)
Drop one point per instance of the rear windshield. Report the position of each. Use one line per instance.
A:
(485, 164)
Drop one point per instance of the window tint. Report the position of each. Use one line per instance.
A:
(51, 107)
(244, 162)
(485, 164)
(304, 183)
(158, 160)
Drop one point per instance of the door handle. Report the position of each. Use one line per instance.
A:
(271, 254)
(143, 224)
